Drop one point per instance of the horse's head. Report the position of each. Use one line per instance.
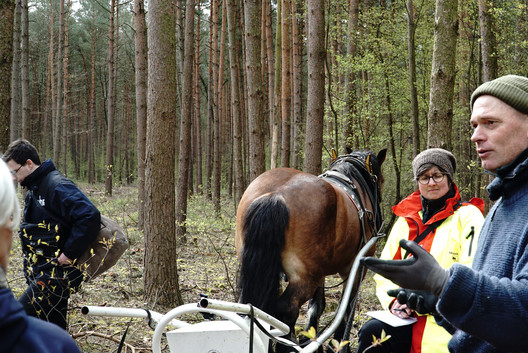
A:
(367, 162)
(367, 166)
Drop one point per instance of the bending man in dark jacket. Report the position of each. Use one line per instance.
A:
(485, 306)
(59, 225)
(20, 333)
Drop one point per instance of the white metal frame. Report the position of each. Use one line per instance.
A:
(230, 311)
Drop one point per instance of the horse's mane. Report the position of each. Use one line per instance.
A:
(350, 169)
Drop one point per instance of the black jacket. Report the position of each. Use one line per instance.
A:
(58, 217)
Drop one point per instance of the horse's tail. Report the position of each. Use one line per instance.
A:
(264, 230)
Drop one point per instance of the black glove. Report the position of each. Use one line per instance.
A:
(421, 301)
(420, 272)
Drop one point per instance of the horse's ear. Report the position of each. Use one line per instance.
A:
(334, 155)
(381, 156)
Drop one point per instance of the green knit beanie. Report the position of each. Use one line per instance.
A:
(511, 89)
(439, 157)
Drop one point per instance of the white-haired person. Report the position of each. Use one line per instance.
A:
(20, 333)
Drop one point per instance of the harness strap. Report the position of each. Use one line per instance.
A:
(346, 184)
(343, 182)
(431, 227)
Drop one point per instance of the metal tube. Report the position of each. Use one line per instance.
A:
(128, 312)
(245, 309)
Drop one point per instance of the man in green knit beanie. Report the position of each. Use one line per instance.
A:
(485, 307)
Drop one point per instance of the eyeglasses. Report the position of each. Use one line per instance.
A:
(424, 179)
(15, 171)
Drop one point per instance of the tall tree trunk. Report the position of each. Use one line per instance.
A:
(14, 126)
(212, 94)
(286, 83)
(184, 163)
(58, 103)
(51, 70)
(161, 271)
(219, 97)
(197, 103)
(349, 110)
(266, 8)
(24, 56)
(487, 41)
(235, 102)
(255, 88)
(6, 62)
(298, 120)
(316, 91)
(65, 95)
(276, 121)
(411, 31)
(140, 40)
(109, 165)
(93, 114)
(443, 75)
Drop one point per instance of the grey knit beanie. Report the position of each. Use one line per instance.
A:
(439, 157)
(511, 89)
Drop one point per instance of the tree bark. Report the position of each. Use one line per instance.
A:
(443, 75)
(197, 116)
(24, 57)
(349, 110)
(58, 102)
(93, 114)
(297, 48)
(219, 114)
(316, 82)
(255, 88)
(141, 101)
(6, 62)
(14, 126)
(65, 94)
(161, 271)
(110, 105)
(487, 41)
(411, 31)
(266, 8)
(213, 48)
(184, 162)
(276, 120)
(51, 70)
(235, 102)
(285, 83)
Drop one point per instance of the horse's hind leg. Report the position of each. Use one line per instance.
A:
(316, 306)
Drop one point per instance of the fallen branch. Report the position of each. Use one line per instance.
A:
(102, 335)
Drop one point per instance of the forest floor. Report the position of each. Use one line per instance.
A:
(207, 263)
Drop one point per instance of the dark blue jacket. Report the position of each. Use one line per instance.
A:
(488, 303)
(20, 333)
(63, 198)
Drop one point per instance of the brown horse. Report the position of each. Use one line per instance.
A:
(301, 227)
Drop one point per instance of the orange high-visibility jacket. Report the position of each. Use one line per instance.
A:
(454, 240)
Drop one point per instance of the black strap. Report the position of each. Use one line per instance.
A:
(122, 342)
(431, 227)
(422, 236)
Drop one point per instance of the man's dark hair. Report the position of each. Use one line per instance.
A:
(20, 151)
